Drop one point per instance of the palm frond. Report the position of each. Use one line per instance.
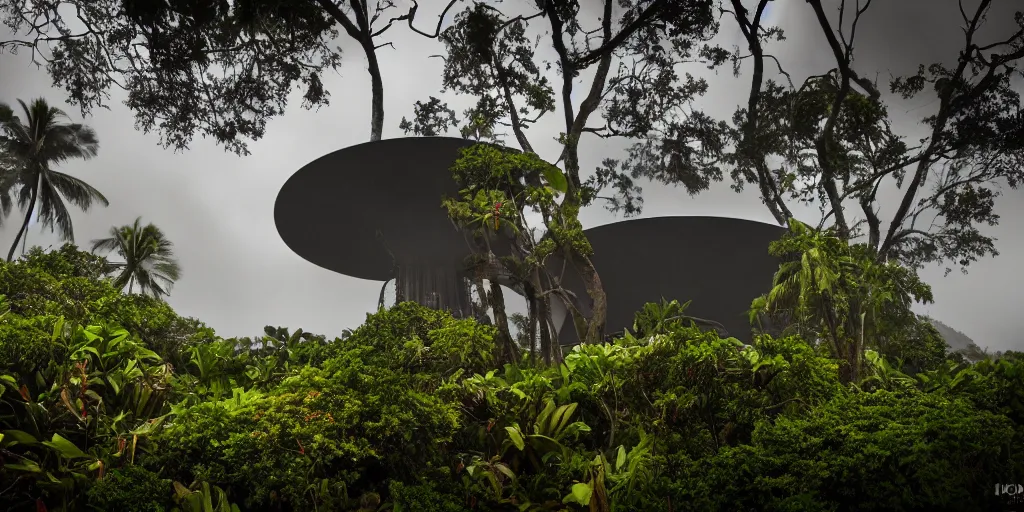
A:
(53, 212)
(6, 113)
(149, 257)
(66, 142)
(25, 194)
(80, 193)
(9, 174)
(106, 244)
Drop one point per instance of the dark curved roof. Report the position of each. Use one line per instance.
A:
(721, 264)
(351, 210)
(331, 210)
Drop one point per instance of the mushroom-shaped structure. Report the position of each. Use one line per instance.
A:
(373, 211)
(721, 264)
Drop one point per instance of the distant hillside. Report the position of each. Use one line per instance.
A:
(958, 341)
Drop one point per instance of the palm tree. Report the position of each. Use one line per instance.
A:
(36, 143)
(148, 258)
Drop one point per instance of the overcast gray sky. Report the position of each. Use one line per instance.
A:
(217, 208)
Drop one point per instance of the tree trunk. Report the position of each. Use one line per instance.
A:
(360, 30)
(479, 310)
(377, 91)
(380, 300)
(501, 322)
(532, 321)
(849, 368)
(595, 289)
(547, 334)
(24, 225)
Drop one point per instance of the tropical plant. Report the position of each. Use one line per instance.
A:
(38, 142)
(829, 290)
(148, 258)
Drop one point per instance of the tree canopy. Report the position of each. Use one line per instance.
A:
(216, 69)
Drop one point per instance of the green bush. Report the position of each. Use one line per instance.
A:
(26, 345)
(425, 496)
(866, 451)
(130, 488)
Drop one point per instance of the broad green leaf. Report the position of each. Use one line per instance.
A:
(621, 458)
(555, 178)
(66, 448)
(516, 437)
(180, 490)
(505, 471)
(580, 494)
(207, 496)
(145, 353)
(91, 350)
(18, 437)
(28, 466)
(58, 326)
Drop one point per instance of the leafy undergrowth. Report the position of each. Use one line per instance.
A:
(114, 402)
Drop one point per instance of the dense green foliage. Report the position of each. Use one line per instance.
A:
(114, 402)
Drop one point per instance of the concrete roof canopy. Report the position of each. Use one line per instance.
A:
(371, 209)
(720, 264)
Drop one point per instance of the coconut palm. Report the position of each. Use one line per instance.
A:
(36, 143)
(148, 258)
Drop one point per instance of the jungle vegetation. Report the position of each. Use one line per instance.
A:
(109, 400)
(113, 401)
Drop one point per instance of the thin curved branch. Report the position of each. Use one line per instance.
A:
(440, 20)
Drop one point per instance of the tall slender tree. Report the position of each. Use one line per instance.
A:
(37, 143)
(148, 258)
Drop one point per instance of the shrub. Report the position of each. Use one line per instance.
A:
(865, 451)
(130, 488)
